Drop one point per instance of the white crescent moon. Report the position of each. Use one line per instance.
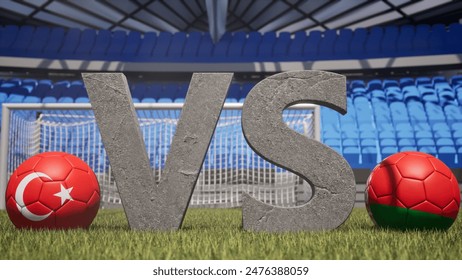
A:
(19, 197)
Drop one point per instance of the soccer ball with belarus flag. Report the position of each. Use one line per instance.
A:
(412, 190)
(52, 190)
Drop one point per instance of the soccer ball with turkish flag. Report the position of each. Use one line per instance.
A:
(52, 190)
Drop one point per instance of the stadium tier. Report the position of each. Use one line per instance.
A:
(91, 44)
(384, 116)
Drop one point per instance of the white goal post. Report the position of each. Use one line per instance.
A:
(230, 166)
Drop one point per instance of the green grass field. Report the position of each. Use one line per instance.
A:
(218, 234)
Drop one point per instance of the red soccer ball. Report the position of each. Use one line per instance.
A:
(52, 190)
(412, 190)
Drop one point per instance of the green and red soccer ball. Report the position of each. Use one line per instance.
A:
(412, 190)
(52, 190)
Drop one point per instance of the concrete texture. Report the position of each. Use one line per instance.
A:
(146, 205)
(118, 124)
(329, 174)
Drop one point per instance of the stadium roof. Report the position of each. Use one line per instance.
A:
(233, 15)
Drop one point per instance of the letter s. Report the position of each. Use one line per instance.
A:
(329, 174)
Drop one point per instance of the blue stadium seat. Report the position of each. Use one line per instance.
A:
(374, 84)
(175, 50)
(387, 134)
(236, 46)
(421, 41)
(86, 43)
(398, 112)
(388, 151)
(388, 142)
(449, 156)
(436, 42)
(358, 42)
(411, 93)
(54, 43)
(326, 45)
(205, 47)
(8, 37)
(310, 50)
(435, 113)
(352, 155)
(296, 45)
(454, 38)
(404, 44)
(429, 150)
(132, 45)
(250, 50)
(101, 44)
(39, 40)
(342, 44)
(163, 43)
(416, 112)
(146, 46)
(265, 50)
(70, 43)
(191, 45)
(406, 142)
(116, 46)
(389, 41)
(406, 81)
(374, 41)
(220, 50)
(22, 41)
(369, 157)
(281, 47)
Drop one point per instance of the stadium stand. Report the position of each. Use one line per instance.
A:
(384, 116)
(376, 42)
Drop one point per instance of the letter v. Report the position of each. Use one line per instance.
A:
(146, 205)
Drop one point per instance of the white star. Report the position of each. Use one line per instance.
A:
(64, 194)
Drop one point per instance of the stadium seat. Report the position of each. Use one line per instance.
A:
(449, 156)
(352, 155)
(342, 44)
(53, 45)
(281, 47)
(404, 44)
(358, 42)
(416, 112)
(236, 46)
(116, 46)
(310, 50)
(220, 49)
(70, 43)
(454, 38)
(205, 47)
(86, 43)
(8, 37)
(265, 50)
(326, 45)
(250, 50)
(160, 51)
(101, 44)
(369, 157)
(131, 46)
(421, 40)
(374, 41)
(437, 39)
(296, 45)
(146, 46)
(22, 41)
(389, 41)
(388, 151)
(191, 45)
(39, 40)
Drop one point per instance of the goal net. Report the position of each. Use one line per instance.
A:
(230, 166)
